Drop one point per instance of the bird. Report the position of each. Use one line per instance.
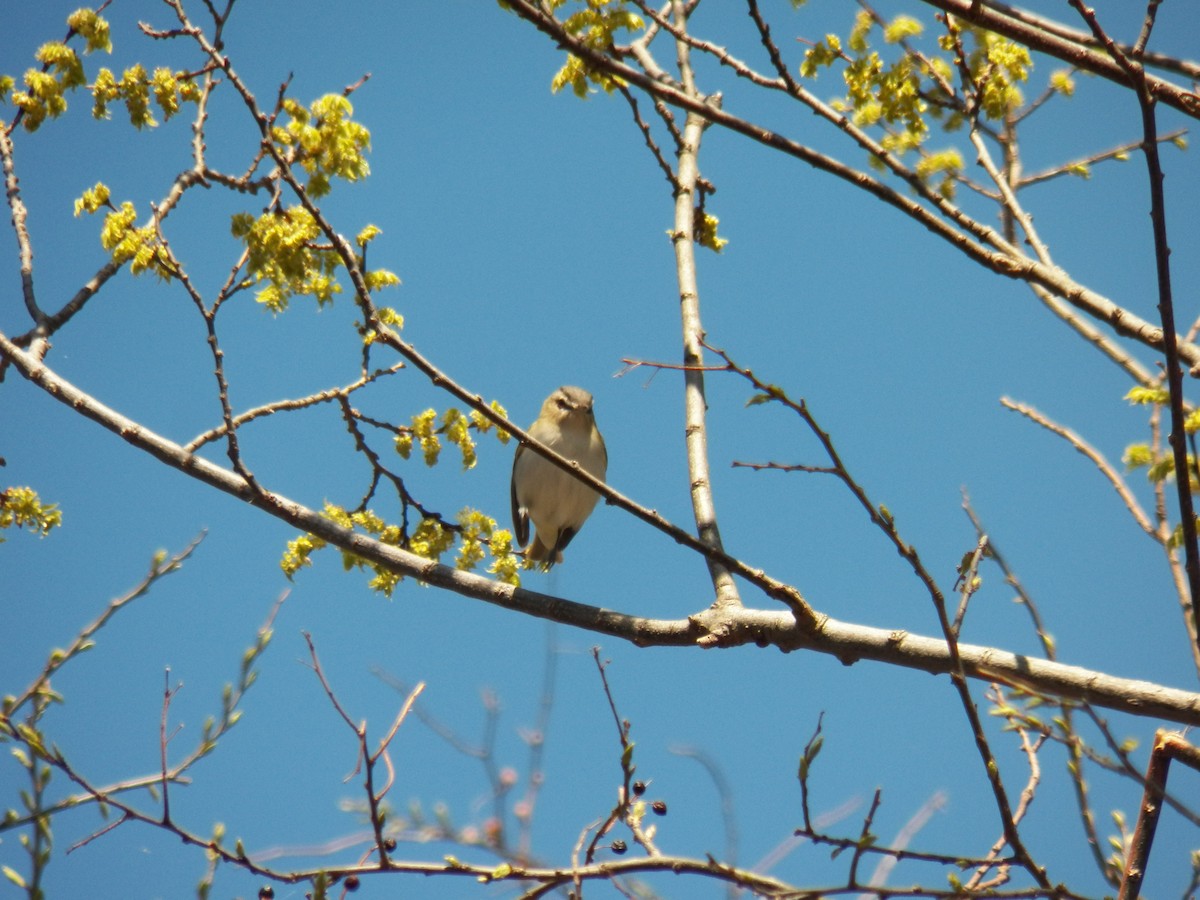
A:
(557, 503)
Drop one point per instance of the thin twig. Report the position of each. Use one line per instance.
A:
(1102, 464)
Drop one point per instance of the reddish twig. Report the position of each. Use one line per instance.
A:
(1167, 746)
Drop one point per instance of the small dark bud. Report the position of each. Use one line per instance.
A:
(619, 847)
(639, 788)
(352, 882)
(389, 844)
(266, 892)
(659, 807)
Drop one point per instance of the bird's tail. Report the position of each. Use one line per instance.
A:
(538, 552)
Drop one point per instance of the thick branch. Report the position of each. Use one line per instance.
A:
(1154, 60)
(1053, 44)
(848, 642)
(695, 404)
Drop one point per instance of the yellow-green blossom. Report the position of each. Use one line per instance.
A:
(92, 199)
(21, 507)
(431, 539)
(327, 142)
(707, 233)
(948, 164)
(596, 24)
(140, 247)
(92, 27)
(456, 428)
(900, 28)
(424, 431)
(283, 253)
(484, 424)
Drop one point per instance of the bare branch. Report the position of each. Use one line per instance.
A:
(695, 405)
(267, 409)
(1097, 458)
(1177, 439)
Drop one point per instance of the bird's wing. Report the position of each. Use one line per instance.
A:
(519, 516)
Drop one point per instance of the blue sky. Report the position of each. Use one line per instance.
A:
(530, 233)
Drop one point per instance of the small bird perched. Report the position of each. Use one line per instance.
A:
(557, 503)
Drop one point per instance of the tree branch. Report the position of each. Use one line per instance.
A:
(1177, 439)
(973, 238)
(848, 642)
(1017, 26)
(695, 405)
(386, 336)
